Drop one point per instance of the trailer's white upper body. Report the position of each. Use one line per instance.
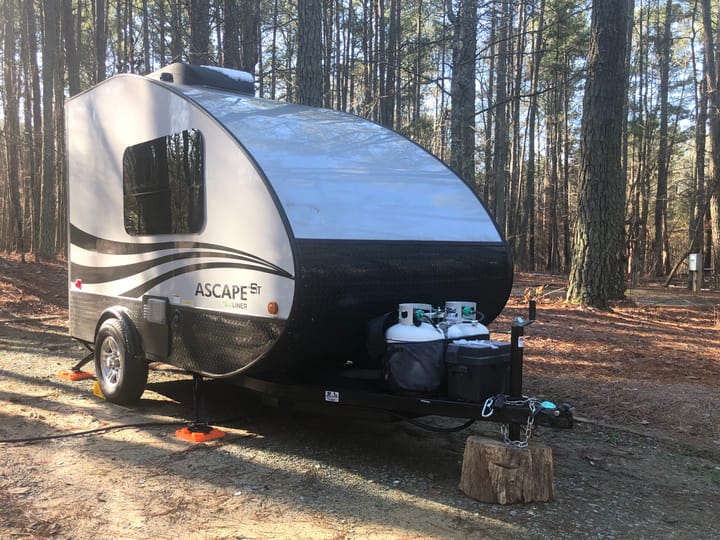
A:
(342, 177)
(335, 176)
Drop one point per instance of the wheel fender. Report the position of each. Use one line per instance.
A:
(120, 313)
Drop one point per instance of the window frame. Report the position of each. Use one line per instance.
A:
(160, 177)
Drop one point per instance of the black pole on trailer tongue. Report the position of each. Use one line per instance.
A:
(517, 332)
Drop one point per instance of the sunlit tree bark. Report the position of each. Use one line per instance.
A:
(462, 88)
(597, 273)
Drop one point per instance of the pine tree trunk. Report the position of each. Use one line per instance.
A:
(516, 148)
(500, 157)
(71, 51)
(714, 116)
(273, 53)
(388, 96)
(462, 89)
(327, 62)
(176, 31)
(11, 126)
(565, 184)
(249, 35)
(199, 32)
(309, 61)
(417, 101)
(48, 200)
(698, 198)
(662, 257)
(348, 95)
(100, 40)
(146, 67)
(33, 122)
(231, 36)
(488, 177)
(597, 273)
(339, 60)
(59, 122)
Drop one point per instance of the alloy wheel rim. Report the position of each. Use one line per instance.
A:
(110, 362)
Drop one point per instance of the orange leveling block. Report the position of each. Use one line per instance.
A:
(196, 433)
(74, 373)
(199, 431)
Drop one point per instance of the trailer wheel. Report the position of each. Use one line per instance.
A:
(120, 366)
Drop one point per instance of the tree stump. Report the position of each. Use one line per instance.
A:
(493, 472)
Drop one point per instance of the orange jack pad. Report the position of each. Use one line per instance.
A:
(198, 436)
(71, 375)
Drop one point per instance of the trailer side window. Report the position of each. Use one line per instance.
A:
(164, 185)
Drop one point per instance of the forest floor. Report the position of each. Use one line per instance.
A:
(643, 461)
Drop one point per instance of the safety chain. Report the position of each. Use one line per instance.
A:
(533, 404)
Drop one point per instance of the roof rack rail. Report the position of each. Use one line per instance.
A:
(209, 76)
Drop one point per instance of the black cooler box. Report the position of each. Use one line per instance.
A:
(477, 370)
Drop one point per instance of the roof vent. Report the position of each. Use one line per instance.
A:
(210, 76)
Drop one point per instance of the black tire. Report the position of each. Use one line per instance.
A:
(120, 367)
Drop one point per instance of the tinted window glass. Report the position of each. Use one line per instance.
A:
(164, 185)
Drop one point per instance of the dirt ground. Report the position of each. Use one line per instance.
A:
(642, 462)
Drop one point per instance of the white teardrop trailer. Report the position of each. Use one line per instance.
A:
(261, 241)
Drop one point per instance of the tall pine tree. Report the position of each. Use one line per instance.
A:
(597, 272)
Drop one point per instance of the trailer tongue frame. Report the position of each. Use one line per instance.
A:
(356, 391)
(500, 409)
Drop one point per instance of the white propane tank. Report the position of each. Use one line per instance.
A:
(406, 331)
(456, 312)
(460, 321)
(468, 329)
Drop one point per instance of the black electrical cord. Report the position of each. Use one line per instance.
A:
(89, 432)
(109, 428)
(436, 429)
(118, 427)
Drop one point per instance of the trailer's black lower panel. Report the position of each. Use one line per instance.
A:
(218, 345)
(213, 344)
(341, 285)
